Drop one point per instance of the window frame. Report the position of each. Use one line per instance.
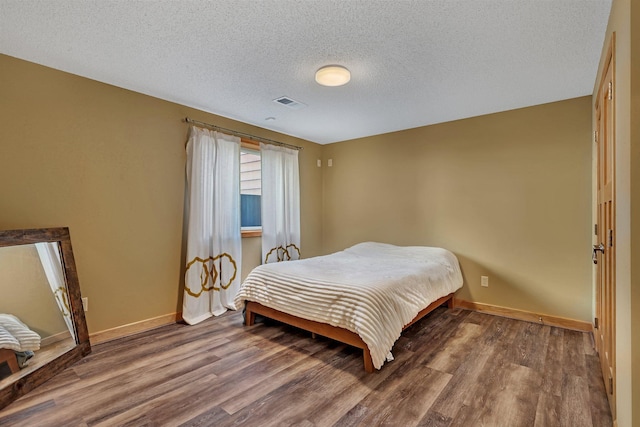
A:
(255, 146)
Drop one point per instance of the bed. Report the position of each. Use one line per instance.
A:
(17, 344)
(363, 296)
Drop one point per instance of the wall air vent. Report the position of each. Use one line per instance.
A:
(289, 103)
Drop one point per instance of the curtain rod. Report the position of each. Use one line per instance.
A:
(240, 134)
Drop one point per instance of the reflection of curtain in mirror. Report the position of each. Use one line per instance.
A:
(214, 247)
(280, 204)
(52, 265)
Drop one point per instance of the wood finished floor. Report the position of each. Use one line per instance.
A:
(452, 368)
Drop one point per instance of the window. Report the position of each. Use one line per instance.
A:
(250, 189)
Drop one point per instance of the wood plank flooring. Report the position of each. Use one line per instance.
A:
(452, 368)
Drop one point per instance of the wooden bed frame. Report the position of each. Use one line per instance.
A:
(8, 359)
(332, 332)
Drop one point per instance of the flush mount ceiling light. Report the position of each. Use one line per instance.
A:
(333, 75)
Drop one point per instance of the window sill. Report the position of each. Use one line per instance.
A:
(251, 233)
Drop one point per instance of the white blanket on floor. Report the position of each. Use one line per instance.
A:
(371, 289)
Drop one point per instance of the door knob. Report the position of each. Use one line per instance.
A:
(597, 248)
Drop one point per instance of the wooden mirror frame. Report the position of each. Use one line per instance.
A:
(33, 379)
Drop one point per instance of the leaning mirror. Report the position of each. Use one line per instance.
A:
(42, 324)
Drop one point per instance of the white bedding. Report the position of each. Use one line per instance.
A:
(25, 337)
(372, 289)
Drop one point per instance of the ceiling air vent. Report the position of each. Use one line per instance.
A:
(289, 103)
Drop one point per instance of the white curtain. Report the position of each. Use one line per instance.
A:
(214, 248)
(280, 204)
(52, 265)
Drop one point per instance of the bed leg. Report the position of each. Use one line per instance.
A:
(249, 317)
(450, 303)
(8, 357)
(368, 363)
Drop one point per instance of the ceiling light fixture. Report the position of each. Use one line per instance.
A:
(333, 75)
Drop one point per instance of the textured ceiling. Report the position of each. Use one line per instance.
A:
(413, 63)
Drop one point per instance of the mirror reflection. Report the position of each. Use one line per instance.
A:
(35, 317)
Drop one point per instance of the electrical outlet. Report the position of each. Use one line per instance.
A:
(484, 281)
(85, 303)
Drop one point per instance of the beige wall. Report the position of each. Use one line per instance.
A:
(625, 22)
(110, 164)
(25, 291)
(508, 193)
